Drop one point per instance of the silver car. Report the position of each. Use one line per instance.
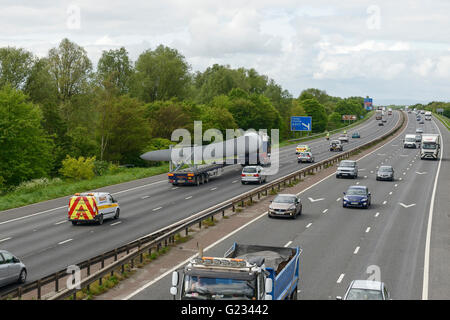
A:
(253, 174)
(366, 290)
(305, 157)
(11, 269)
(385, 173)
(285, 205)
(347, 168)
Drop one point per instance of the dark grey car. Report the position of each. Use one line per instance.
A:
(385, 173)
(11, 269)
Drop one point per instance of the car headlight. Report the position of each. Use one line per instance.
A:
(364, 200)
(345, 199)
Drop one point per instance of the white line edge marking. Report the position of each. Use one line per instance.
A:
(6, 239)
(237, 230)
(156, 209)
(384, 202)
(60, 222)
(65, 241)
(187, 198)
(339, 280)
(113, 224)
(426, 266)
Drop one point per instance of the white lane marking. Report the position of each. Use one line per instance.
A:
(377, 214)
(400, 179)
(406, 205)
(339, 280)
(231, 234)
(365, 177)
(145, 197)
(62, 207)
(60, 222)
(426, 264)
(65, 241)
(420, 172)
(368, 229)
(338, 199)
(315, 200)
(156, 209)
(234, 181)
(213, 189)
(407, 168)
(382, 154)
(113, 224)
(325, 211)
(175, 188)
(6, 239)
(357, 182)
(371, 171)
(288, 244)
(390, 193)
(308, 225)
(187, 198)
(356, 250)
(395, 185)
(384, 202)
(404, 173)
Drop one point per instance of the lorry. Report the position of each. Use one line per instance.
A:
(378, 115)
(430, 146)
(428, 115)
(390, 112)
(246, 272)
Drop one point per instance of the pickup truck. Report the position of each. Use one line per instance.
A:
(246, 272)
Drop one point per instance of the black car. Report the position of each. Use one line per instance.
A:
(385, 173)
(380, 123)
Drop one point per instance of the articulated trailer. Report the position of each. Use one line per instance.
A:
(195, 175)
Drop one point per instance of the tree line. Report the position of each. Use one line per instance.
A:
(58, 106)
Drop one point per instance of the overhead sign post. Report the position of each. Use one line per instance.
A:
(349, 117)
(301, 123)
(440, 110)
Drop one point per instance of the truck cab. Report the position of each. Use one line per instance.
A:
(430, 147)
(246, 272)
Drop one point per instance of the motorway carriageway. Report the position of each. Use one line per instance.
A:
(41, 236)
(343, 244)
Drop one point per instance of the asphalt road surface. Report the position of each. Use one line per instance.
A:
(385, 242)
(46, 242)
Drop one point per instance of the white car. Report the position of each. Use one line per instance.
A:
(343, 138)
(419, 130)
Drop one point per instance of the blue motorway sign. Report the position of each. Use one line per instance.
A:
(301, 123)
(368, 104)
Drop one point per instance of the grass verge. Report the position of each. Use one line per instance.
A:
(60, 188)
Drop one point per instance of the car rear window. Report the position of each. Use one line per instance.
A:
(364, 294)
(249, 170)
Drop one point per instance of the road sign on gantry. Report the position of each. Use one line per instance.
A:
(301, 124)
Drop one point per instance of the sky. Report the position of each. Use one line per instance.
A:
(393, 51)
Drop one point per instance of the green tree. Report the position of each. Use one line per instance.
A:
(317, 113)
(115, 66)
(161, 74)
(26, 152)
(70, 69)
(15, 66)
(334, 121)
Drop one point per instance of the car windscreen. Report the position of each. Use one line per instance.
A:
(347, 164)
(410, 139)
(249, 170)
(385, 169)
(304, 154)
(356, 192)
(284, 199)
(364, 294)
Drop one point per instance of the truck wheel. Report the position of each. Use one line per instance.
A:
(100, 220)
(74, 223)
(116, 216)
(207, 178)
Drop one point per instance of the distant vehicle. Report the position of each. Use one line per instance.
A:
(421, 121)
(92, 207)
(380, 123)
(384, 120)
(366, 290)
(246, 272)
(418, 138)
(418, 118)
(385, 173)
(357, 196)
(305, 157)
(356, 135)
(378, 115)
(428, 115)
(419, 130)
(431, 145)
(347, 168)
(389, 112)
(253, 174)
(410, 141)
(422, 112)
(343, 138)
(302, 148)
(336, 145)
(285, 205)
(11, 269)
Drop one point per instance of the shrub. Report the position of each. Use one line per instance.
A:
(78, 169)
(101, 167)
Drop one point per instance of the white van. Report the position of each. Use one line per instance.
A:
(431, 145)
(410, 141)
(428, 115)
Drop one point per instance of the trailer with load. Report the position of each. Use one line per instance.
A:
(246, 272)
